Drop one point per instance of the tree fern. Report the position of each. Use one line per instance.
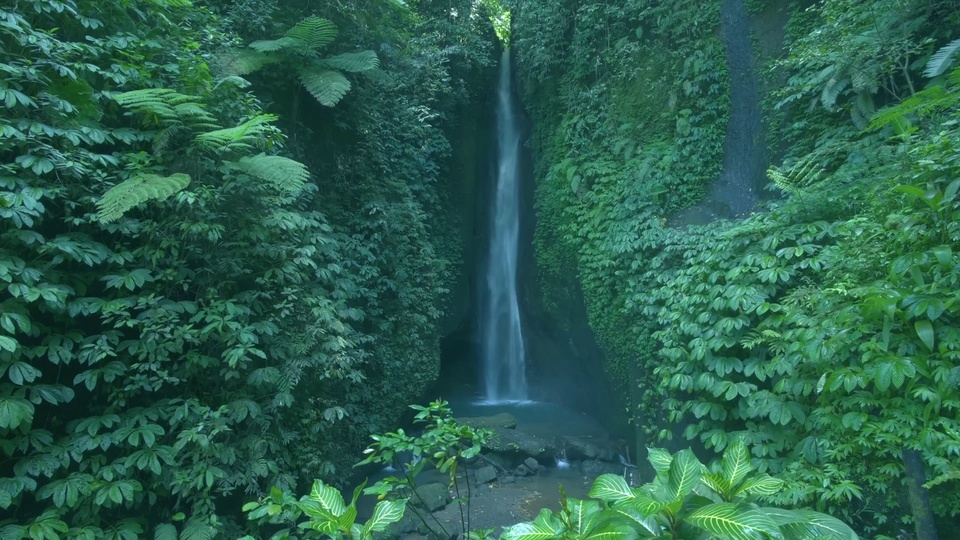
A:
(353, 62)
(245, 136)
(942, 60)
(307, 35)
(326, 85)
(136, 190)
(284, 173)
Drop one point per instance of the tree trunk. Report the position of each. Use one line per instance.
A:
(919, 496)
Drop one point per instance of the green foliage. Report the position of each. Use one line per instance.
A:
(685, 501)
(159, 360)
(445, 443)
(320, 76)
(791, 328)
(136, 190)
(322, 514)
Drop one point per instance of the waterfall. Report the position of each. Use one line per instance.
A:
(501, 336)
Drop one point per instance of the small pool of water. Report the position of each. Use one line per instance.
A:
(537, 417)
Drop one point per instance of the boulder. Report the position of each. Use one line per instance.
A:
(501, 421)
(432, 496)
(485, 475)
(532, 464)
(508, 480)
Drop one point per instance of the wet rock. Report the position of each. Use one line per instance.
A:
(532, 464)
(523, 470)
(589, 448)
(434, 496)
(520, 442)
(501, 421)
(485, 475)
(508, 480)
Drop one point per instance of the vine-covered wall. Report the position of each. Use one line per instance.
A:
(795, 326)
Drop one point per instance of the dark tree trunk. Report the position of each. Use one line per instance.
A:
(919, 496)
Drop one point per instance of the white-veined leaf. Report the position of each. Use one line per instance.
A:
(611, 488)
(734, 522)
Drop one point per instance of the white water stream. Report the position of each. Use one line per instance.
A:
(502, 348)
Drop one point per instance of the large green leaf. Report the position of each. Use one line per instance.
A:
(805, 524)
(659, 458)
(762, 484)
(611, 488)
(736, 463)
(584, 516)
(610, 529)
(545, 527)
(328, 498)
(735, 522)
(645, 503)
(646, 526)
(384, 514)
(718, 484)
(683, 476)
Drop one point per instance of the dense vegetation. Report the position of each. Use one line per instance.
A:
(822, 328)
(212, 282)
(230, 232)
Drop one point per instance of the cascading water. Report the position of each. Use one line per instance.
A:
(501, 336)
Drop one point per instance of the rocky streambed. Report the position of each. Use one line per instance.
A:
(519, 472)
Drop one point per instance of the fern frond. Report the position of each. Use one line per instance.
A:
(244, 136)
(862, 110)
(163, 137)
(313, 32)
(782, 181)
(307, 35)
(831, 92)
(149, 102)
(235, 80)
(942, 60)
(198, 529)
(274, 45)
(242, 62)
(166, 107)
(284, 173)
(353, 62)
(138, 189)
(326, 85)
